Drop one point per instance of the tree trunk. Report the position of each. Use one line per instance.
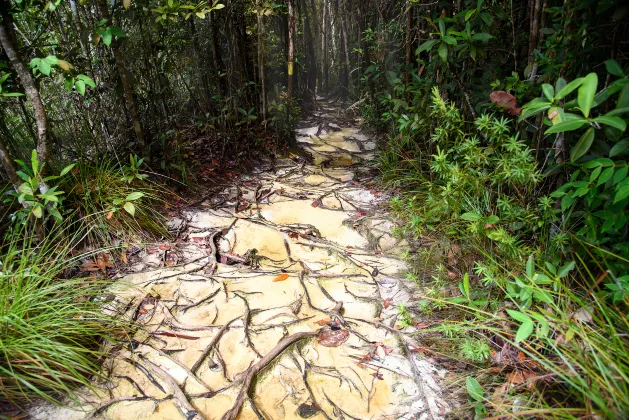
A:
(312, 56)
(125, 80)
(9, 44)
(291, 46)
(217, 59)
(534, 36)
(326, 61)
(409, 49)
(261, 62)
(344, 55)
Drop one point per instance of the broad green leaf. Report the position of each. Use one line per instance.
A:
(566, 126)
(55, 213)
(219, 7)
(598, 162)
(549, 92)
(107, 37)
(117, 31)
(443, 51)
(530, 267)
(620, 174)
(621, 194)
(88, 80)
(67, 169)
(134, 196)
(466, 284)
(474, 389)
(484, 37)
(619, 148)
(615, 122)
(617, 111)
(130, 208)
(52, 60)
(80, 87)
(583, 145)
(587, 90)
(518, 316)
(442, 27)
(34, 161)
(449, 40)
(469, 14)
(44, 67)
(470, 217)
(68, 84)
(37, 212)
(567, 89)
(614, 68)
(605, 176)
(524, 332)
(426, 46)
(565, 269)
(10, 94)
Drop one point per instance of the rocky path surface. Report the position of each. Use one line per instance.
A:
(276, 302)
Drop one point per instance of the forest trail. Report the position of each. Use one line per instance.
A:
(279, 301)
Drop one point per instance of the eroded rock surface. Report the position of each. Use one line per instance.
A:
(280, 303)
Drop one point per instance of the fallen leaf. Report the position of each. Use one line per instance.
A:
(386, 303)
(164, 247)
(378, 252)
(421, 325)
(452, 275)
(375, 272)
(109, 215)
(505, 101)
(315, 203)
(281, 277)
(332, 338)
(380, 352)
(293, 235)
(324, 321)
(378, 375)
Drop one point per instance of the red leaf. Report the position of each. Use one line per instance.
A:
(164, 247)
(332, 338)
(324, 321)
(505, 101)
(281, 277)
(315, 203)
(386, 303)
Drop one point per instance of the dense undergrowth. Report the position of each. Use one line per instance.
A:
(527, 286)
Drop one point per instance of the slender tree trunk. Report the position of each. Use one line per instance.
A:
(261, 62)
(315, 38)
(409, 49)
(126, 82)
(291, 46)
(534, 36)
(9, 44)
(312, 56)
(344, 53)
(217, 59)
(326, 61)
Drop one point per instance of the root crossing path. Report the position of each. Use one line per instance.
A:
(279, 302)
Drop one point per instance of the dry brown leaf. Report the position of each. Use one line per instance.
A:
(386, 303)
(332, 338)
(281, 277)
(324, 321)
(380, 352)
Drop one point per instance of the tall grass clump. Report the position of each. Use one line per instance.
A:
(120, 203)
(52, 326)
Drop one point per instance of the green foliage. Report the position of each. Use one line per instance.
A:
(53, 328)
(37, 197)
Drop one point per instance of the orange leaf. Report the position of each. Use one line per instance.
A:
(109, 215)
(386, 303)
(324, 321)
(281, 277)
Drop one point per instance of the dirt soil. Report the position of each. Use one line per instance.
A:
(276, 301)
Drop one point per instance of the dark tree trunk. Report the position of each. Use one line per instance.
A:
(125, 80)
(310, 46)
(291, 47)
(9, 44)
